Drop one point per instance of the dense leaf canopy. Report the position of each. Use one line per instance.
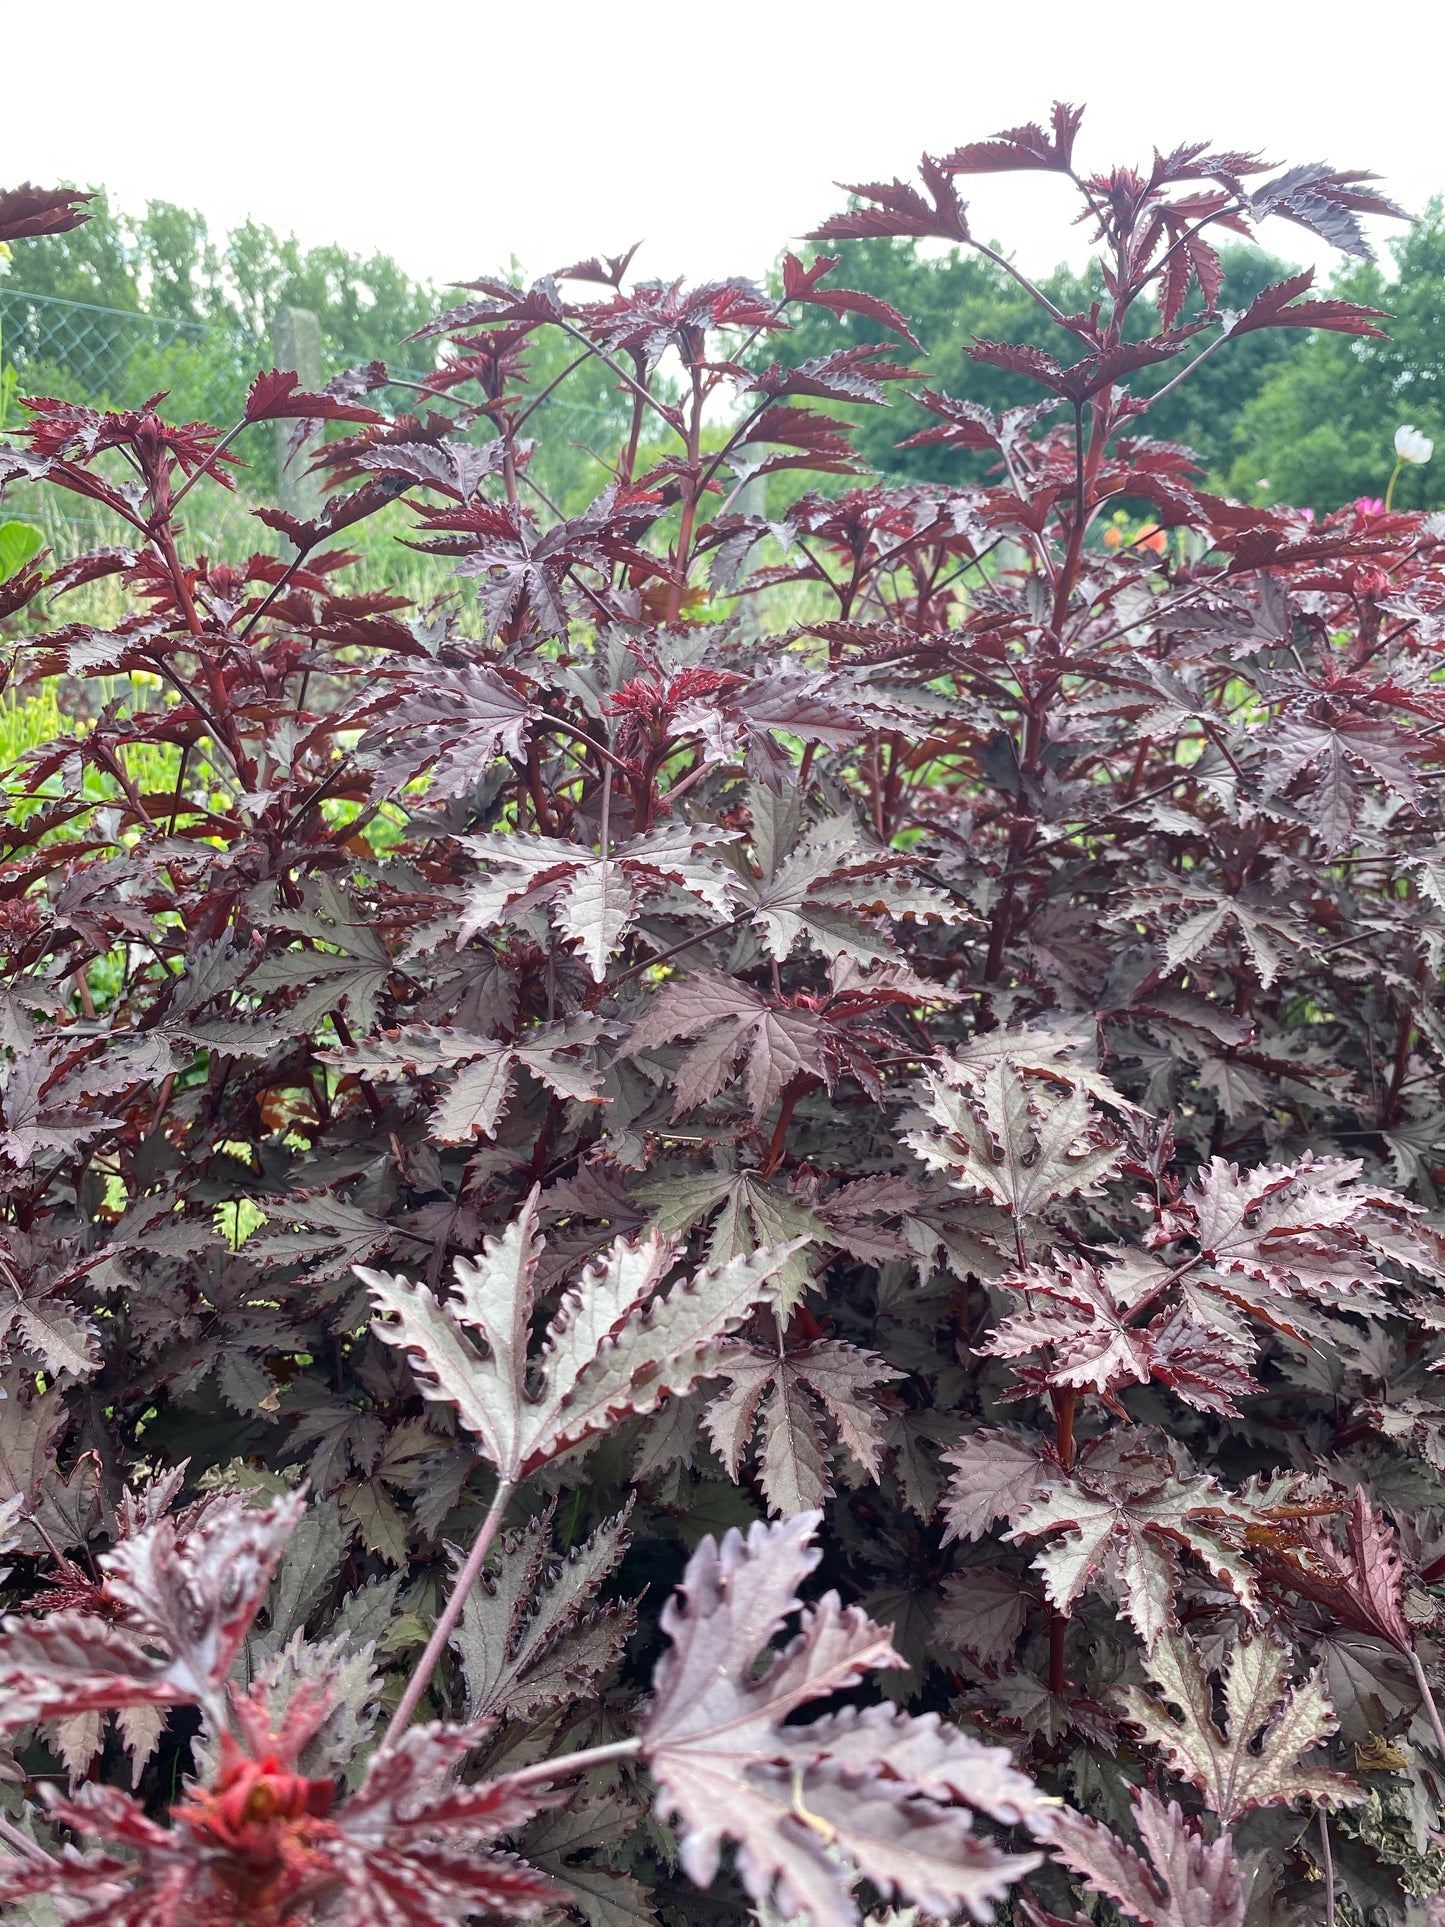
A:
(745, 1222)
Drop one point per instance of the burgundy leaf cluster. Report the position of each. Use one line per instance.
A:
(744, 1224)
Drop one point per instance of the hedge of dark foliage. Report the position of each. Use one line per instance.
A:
(880, 1066)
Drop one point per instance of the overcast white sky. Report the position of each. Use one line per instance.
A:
(452, 134)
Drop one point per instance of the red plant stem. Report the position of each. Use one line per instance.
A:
(1065, 1405)
(179, 793)
(580, 1762)
(83, 991)
(1058, 1633)
(608, 361)
(109, 760)
(163, 1098)
(166, 543)
(536, 791)
(713, 930)
(689, 507)
(1432, 1711)
(1002, 916)
(210, 462)
(777, 1144)
(628, 463)
(277, 588)
(1328, 1858)
(1389, 1110)
(22, 1843)
(450, 1614)
(236, 750)
(684, 546)
(538, 399)
(348, 1042)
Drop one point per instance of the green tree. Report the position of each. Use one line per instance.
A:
(177, 261)
(367, 306)
(956, 297)
(1321, 431)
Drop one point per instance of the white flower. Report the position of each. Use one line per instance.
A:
(1413, 447)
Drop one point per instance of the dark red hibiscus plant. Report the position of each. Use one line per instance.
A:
(743, 1224)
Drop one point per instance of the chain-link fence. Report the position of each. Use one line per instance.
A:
(114, 358)
(103, 354)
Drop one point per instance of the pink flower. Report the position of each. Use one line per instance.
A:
(1368, 505)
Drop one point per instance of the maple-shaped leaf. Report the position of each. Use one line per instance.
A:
(1326, 201)
(731, 1021)
(832, 886)
(190, 1587)
(822, 440)
(603, 1894)
(532, 1634)
(1087, 376)
(40, 1108)
(786, 1040)
(26, 211)
(354, 965)
(1307, 1227)
(766, 715)
(1330, 752)
(41, 1272)
(524, 571)
(1081, 1319)
(780, 1389)
(1190, 257)
(1276, 307)
(899, 209)
(1361, 1585)
(813, 1807)
(615, 1344)
(454, 468)
(751, 1213)
(996, 1473)
(983, 1613)
(1122, 1512)
(1186, 1881)
(454, 722)
(802, 284)
(1022, 148)
(278, 396)
(597, 897)
(1064, 1053)
(1264, 924)
(1254, 1758)
(1016, 1139)
(322, 1231)
(482, 1068)
(1070, 1311)
(421, 1840)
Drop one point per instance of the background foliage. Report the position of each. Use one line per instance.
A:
(1284, 418)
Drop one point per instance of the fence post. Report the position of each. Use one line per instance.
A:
(296, 341)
